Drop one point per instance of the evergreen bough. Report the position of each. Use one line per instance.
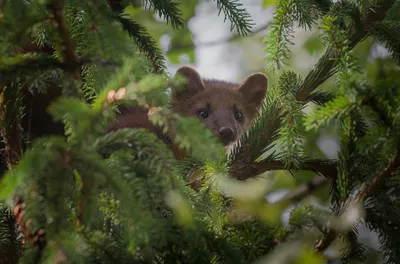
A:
(121, 197)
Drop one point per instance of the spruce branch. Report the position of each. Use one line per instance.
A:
(382, 216)
(222, 41)
(388, 33)
(32, 47)
(320, 98)
(326, 241)
(10, 248)
(379, 178)
(167, 9)
(355, 250)
(304, 190)
(244, 171)
(147, 45)
(25, 62)
(31, 62)
(70, 58)
(367, 191)
(10, 115)
(10, 130)
(282, 28)
(238, 16)
(281, 34)
(259, 139)
(324, 167)
(325, 67)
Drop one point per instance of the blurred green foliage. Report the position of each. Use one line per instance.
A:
(125, 189)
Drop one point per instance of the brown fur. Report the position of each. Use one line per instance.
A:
(222, 101)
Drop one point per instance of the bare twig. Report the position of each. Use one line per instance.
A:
(304, 190)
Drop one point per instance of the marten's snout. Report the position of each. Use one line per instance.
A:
(226, 132)
(227, 135)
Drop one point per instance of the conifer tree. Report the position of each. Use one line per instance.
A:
(72, 194)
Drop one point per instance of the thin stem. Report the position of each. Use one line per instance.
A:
(304, 190)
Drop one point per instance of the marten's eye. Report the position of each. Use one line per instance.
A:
(203, 113)
(238, 115)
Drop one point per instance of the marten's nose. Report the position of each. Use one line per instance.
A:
(226, 133)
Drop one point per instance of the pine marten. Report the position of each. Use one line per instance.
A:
(226, 108)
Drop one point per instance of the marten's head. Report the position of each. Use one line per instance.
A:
(228, 109)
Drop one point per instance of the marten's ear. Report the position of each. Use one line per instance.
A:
(193, 84)
(254, 89)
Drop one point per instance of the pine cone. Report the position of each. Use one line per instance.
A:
(37, 239)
